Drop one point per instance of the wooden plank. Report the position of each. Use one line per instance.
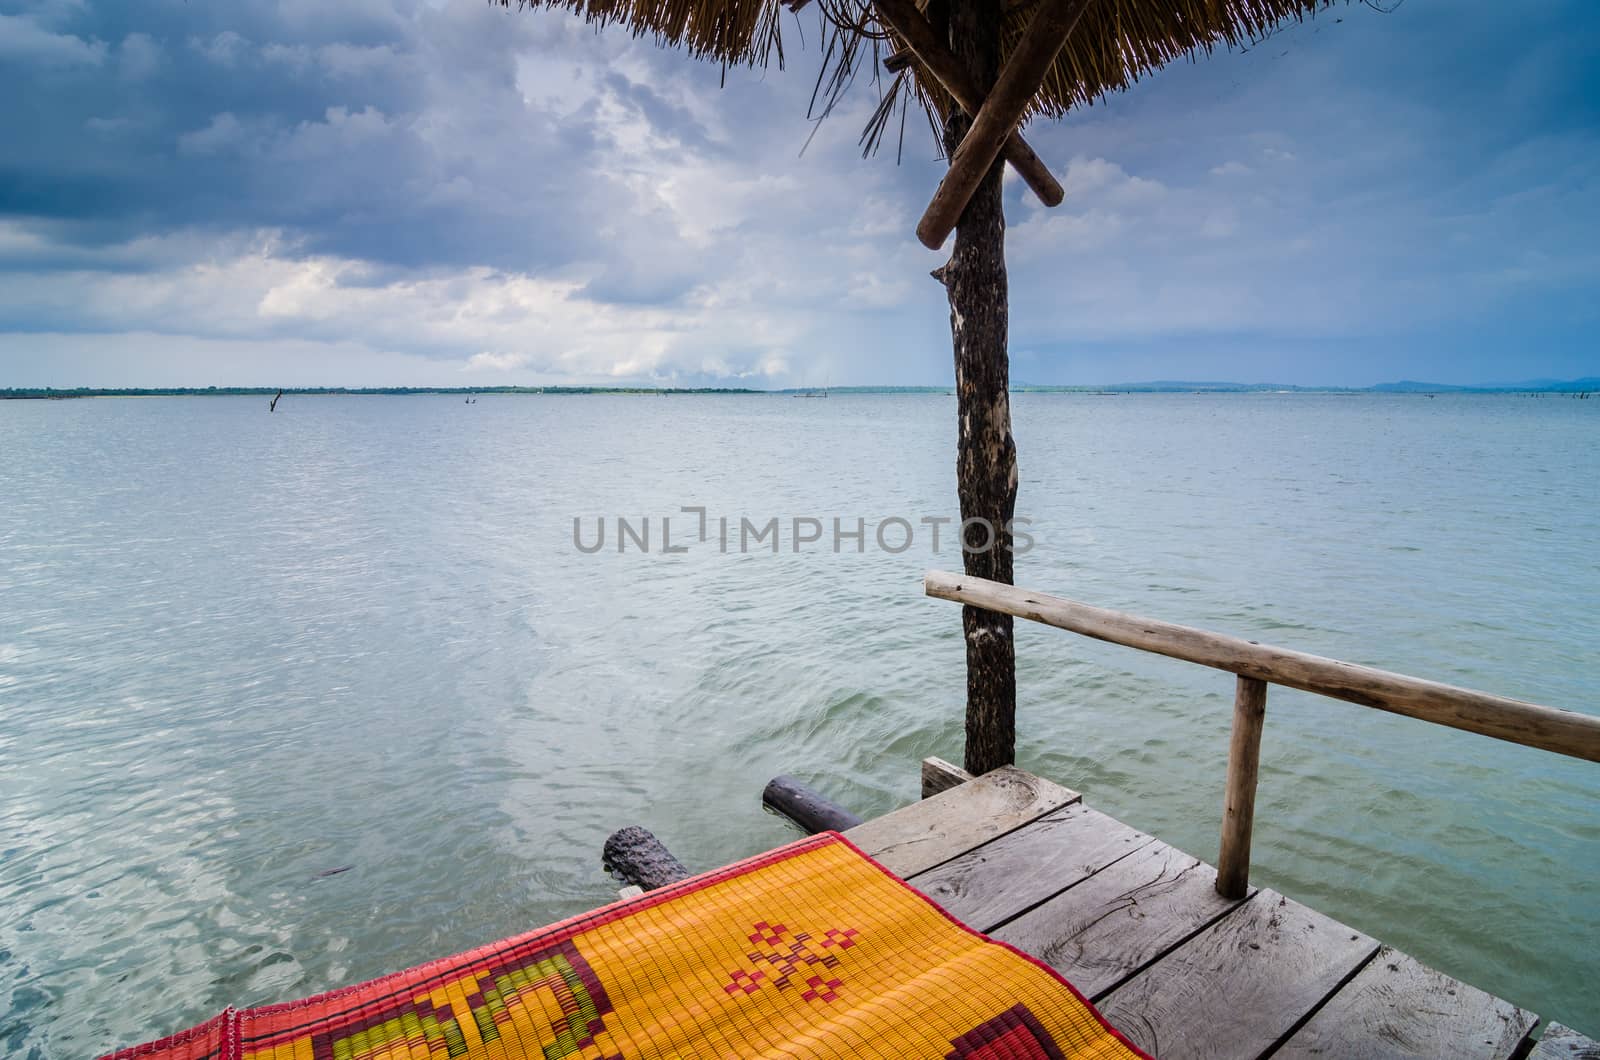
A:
(1398, 1007)
(1238, 987)
(1564, 1043)
(1562, 731)
(630, 891)
(912, 27)
(1239, 804)
(918, 837)
(939, 775)
(996, 121)
(1117, 921)
(989, 885)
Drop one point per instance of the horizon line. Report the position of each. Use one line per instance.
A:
(1581, 383)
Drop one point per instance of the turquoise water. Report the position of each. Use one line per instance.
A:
(238, 650)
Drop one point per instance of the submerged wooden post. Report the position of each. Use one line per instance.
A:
(1239, 808)
(642, 859)
(810, 809)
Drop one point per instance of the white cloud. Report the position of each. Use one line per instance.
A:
(1219, 223)
(224, 49)
(1097, 177)
(109, 126)
(154, 358)
(21, 38)
(555, 330)
(496, 362)
(871, 290)
(339, 131)
(139, 57)
(223, 132)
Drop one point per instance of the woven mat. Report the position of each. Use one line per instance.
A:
(811, 950)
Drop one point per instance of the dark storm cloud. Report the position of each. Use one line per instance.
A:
(396, 133)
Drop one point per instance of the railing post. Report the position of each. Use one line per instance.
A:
(1238, 813)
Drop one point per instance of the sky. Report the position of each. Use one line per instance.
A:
(445, 192)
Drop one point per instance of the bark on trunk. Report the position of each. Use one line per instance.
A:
(986, 461)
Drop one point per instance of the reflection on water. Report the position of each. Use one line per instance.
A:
(239, 650)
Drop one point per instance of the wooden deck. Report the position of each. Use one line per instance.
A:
(1138, 927)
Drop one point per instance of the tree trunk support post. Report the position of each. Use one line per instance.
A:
(912, 27)
(1002, 110)
(1239, 806)
(986, 455)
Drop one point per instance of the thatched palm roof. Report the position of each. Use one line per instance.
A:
(1052, 55)
(1114, 43)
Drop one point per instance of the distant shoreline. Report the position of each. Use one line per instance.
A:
(1589, 385)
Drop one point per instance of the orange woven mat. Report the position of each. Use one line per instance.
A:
(811, 950)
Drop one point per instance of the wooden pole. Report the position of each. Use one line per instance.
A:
(986, 454)
(1563, 731)
(641, 859)
(997, 119)
(911, 26)
(810, 809)
(1239, 805)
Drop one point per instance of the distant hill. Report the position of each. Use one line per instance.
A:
(1177, 386)
(1587, 384)
(862, 390)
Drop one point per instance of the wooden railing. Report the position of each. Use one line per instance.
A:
(1258, 665)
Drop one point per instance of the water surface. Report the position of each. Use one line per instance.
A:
(238, 650)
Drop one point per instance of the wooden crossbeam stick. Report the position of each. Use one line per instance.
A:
(899, 60)
(997, 119)
(919, 35)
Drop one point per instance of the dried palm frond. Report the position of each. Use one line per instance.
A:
(1115, 43)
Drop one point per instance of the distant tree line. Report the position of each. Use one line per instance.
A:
(13, 393)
